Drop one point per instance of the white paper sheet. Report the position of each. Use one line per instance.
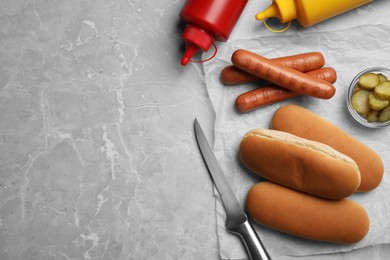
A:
(350, 43)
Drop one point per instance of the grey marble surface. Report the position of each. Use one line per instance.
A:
(97, 156)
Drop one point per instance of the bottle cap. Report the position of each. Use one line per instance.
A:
(285, 10)
(195, 39)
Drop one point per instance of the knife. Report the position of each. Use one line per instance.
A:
(236, 220)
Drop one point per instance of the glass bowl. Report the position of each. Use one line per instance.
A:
(359, 118)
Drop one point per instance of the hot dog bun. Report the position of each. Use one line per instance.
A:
(300, 164)
(303, 215)
(306, 124)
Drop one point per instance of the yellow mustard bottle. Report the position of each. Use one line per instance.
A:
(308, 12)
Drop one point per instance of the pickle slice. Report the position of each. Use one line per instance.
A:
(382, 91)
(376, 103)
(385, 115)
(382, 78)
(373, 116)
(360, 101)
(368, 80)
(356, 89)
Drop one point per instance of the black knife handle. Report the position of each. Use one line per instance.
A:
(252, 242)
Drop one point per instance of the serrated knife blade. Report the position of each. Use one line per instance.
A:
(236, 220)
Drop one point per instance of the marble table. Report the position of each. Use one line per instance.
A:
(97, 152)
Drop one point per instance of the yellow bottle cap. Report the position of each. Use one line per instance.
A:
(284, 10)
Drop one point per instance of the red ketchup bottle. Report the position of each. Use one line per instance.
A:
(208, 20)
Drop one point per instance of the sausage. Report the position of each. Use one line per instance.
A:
(328, 74)
(262, 96)
(232, 75)
(266, 95)
(338, 221)
(301, 122)
(303, 62)
(282, 76)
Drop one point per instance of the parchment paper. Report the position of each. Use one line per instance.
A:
(359, 41)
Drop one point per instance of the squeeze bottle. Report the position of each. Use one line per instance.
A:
(208, 20)
(308, 12)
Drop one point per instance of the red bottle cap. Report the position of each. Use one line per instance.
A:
(195, 39)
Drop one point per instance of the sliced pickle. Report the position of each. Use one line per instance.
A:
(382, 91)
(382, 78)
(384, 116)
(373, 116)
(376, 103)
(356, 89)
(360, 101)
(368, 80)
(371, 97)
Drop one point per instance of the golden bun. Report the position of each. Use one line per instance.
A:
(301, 122)
(300, 214)
(298, 163)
